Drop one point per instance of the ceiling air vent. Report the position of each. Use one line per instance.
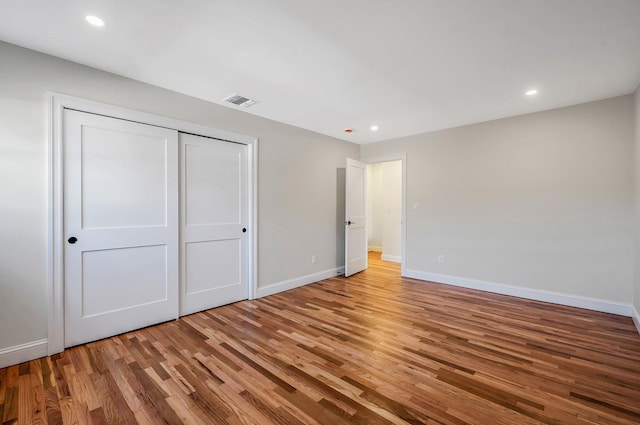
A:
(238, 100)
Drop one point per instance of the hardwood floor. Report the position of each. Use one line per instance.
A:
(371, 349)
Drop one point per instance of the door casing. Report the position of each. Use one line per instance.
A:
(55, 277)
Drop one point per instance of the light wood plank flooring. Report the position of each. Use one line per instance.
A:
(371, 349)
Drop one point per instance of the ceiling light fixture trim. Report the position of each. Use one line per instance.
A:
(94, 20)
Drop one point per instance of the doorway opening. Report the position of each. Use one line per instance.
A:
(384, 210)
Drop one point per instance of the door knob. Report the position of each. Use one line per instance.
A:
(72, 240)
(348, 223)
(244, 230)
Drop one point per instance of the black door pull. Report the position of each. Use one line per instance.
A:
(72, 240)
(244, 230)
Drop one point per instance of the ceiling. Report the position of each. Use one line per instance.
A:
(408, 66)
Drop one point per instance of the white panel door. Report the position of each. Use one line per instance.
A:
(355, 218)
(120, 225)
(213, 201)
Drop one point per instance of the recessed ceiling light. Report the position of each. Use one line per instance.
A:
(348, 130)
(531, 92)
(374, 128)
(95, 21)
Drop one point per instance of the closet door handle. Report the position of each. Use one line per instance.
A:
(72, 240)
(244, 230)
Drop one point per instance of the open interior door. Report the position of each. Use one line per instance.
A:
(355, 218)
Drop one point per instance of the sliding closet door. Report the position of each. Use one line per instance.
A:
(120, 224)
(213, 244)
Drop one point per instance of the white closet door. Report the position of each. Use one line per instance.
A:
(213, 203)
(121, 226)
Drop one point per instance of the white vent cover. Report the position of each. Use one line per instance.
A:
(238, 100)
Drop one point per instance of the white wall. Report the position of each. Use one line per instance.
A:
(540, 201)
(392, 211)
(374, 207)
(299, 172)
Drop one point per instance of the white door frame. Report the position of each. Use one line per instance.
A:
(55, 276)
(402, 157)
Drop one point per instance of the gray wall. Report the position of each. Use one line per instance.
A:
(636, 298)
(542, 201)
(298, 180)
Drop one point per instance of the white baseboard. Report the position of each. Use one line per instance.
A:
(392, 258)
(23, 353)
(636, 318)
(285, 285)
(595, 304)
(374, 248)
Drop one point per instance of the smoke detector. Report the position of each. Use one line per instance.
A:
(238, 100)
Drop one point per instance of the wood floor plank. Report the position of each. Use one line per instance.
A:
(10, 406)
(39, 416)
(3, 385)
(26, 401)
(373, 348)
(52, 407)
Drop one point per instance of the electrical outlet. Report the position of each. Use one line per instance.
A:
(314, 259)
(440, 259)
